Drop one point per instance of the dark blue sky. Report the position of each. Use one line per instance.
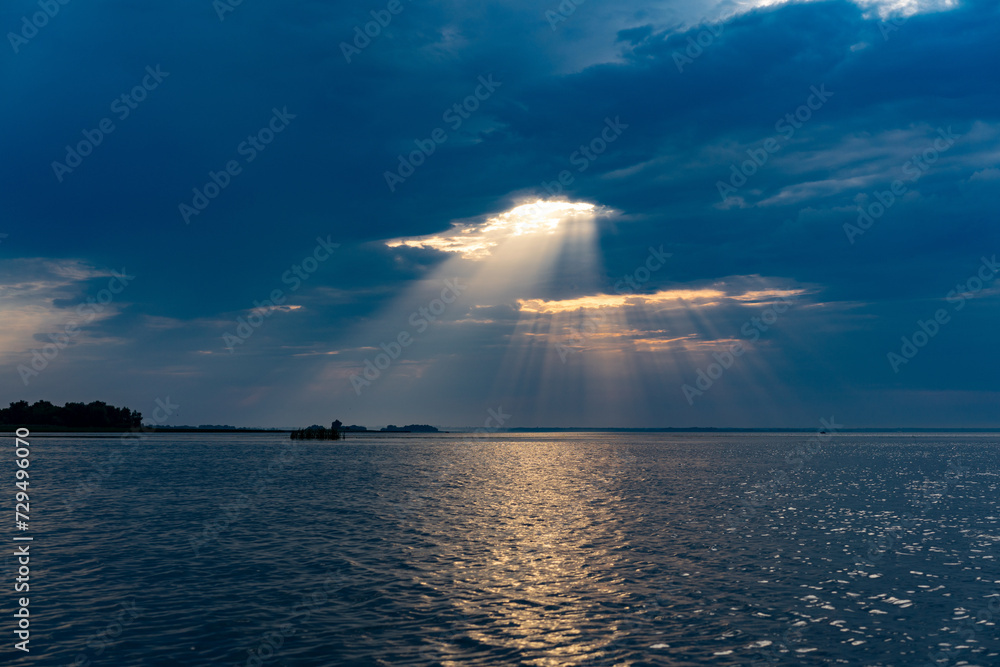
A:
(744, 143)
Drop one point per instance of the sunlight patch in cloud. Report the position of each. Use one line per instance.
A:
(477, 240)
(883, 8)
(672, 298)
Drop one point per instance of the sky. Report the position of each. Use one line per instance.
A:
(504, 214)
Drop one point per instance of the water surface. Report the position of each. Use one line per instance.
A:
(535, 549)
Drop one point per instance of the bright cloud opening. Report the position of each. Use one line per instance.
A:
(477, 240)
(679, 298)
(883, 8)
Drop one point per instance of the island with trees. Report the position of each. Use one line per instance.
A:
(94, 416)
(98, 416)
(337, 430)
(316, 432)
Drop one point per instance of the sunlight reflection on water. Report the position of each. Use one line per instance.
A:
(541, 549)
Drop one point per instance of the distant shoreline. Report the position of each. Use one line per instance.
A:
(145, 429)
(712, 429)
(37, 429)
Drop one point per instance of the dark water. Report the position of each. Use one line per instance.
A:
(562, 549)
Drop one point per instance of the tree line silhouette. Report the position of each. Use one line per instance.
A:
(97, 414)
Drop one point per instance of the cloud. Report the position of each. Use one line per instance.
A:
(670, 298)
(40, 296)
(476, 240)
